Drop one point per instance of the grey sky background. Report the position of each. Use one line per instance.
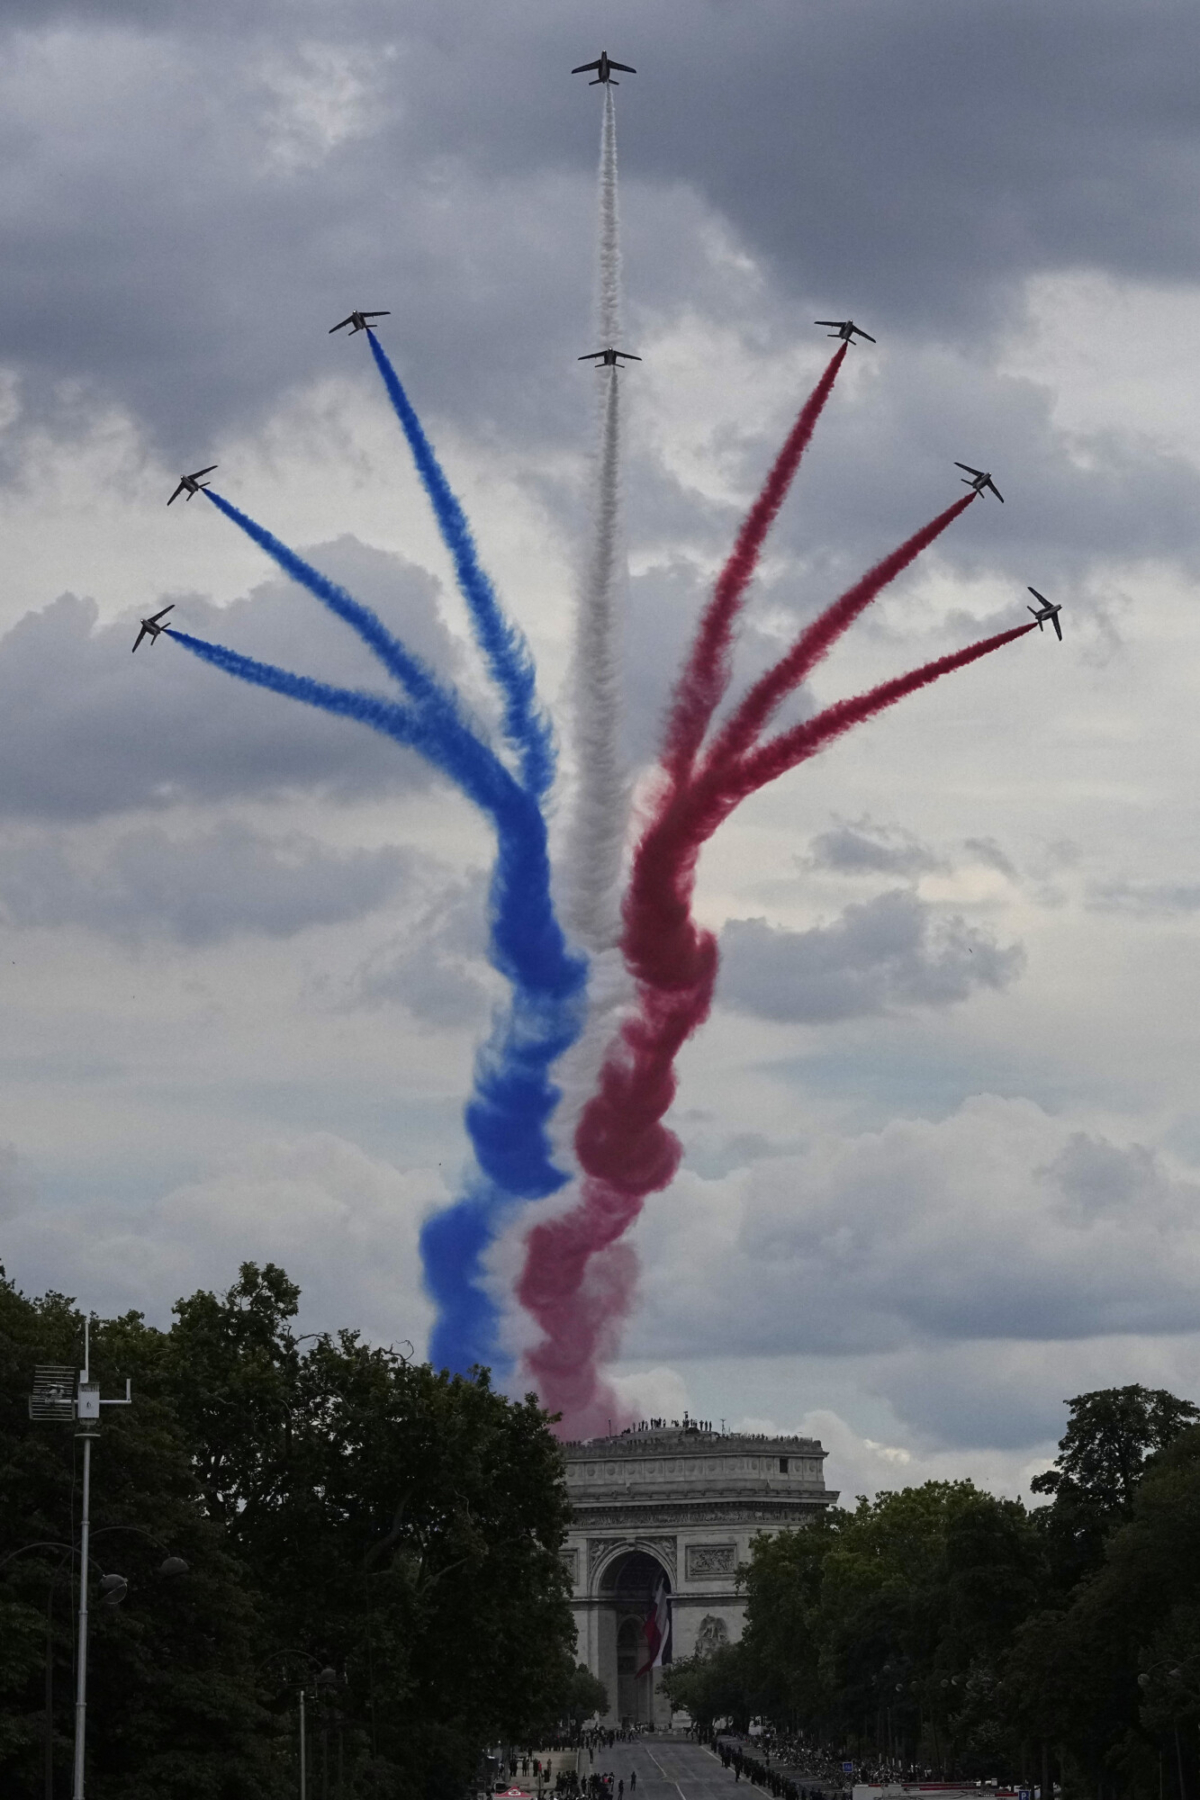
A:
(942, 1142)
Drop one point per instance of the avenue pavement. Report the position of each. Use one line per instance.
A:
(667, 1769)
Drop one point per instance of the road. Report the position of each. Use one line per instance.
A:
(667, 1769)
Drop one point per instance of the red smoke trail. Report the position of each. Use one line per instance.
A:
(706, 676)
(796, 746)
(818, 639)
(624, 1149)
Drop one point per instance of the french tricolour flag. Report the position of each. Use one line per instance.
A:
(657, 1628)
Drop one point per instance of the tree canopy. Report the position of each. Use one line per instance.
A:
(943, 1627)
(339, 1506)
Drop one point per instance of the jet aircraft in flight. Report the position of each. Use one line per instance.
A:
(847, 329)
(1046, 611)
(358, 321)
(609, 359)
(605, 65)
(152, 627)
(192, 484)
(982, 480)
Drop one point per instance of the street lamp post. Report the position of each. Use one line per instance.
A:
(53, 1398)
(325, 1679)
(113, 1589)
(1175, 1674)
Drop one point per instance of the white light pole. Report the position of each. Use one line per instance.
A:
(87, 1411)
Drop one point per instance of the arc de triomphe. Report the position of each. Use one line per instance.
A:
(678, 1503)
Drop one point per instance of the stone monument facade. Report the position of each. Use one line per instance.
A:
(674, 1504)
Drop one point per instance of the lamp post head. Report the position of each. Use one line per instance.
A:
(173, 1565)
(113, 1589)
(327, 1680)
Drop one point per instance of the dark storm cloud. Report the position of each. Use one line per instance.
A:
(886, 953)
(436, 967)
(192, 194)
(914, 160)
(994, 1224)
(90, 729)
(881, 468)
(860, 847)
(197, 890)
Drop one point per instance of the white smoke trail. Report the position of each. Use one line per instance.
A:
(599, 821)
(596, 837)
(609, 310)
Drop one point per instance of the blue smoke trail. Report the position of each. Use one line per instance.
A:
(503, 645)
(408, 669)
(513, 1098)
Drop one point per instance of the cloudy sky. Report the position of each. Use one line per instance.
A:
(943, 1140)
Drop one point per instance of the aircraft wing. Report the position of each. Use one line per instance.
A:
(628, 356)
(155, 617)
(143, 632)
(624, 67)
(839, 323)
(347, 321)
(586, 68)
(177, 492)
(1056, 625)
(995, 490)
(592, 354)
(1040, 597)
(200, 472)
(865, 334)
(958, 465)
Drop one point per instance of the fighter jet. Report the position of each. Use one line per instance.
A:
(847, 329)
(982, 480)
(192, 484)
(605, 65)
(359, 321)
(609, 359)
(1046, 611)
(151, 627)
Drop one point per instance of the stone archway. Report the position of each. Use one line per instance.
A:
(627, 1589)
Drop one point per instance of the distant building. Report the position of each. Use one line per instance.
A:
(673, 1505)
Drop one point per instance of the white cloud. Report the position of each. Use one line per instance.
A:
(862, 1465)
(998, 1222)
(343, 1224)
(882, 954)
(183, 210)
(196, 889)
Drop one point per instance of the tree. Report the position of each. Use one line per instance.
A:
(886, 1628)
(172, 1707)
(586, 1694)
(781, 1643)
(404, 1527)
(712, 1687)
(1095, 1478)
(1075, 1673)
(338, 1505)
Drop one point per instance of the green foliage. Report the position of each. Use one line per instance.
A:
(1076, 1670)
(712, 1688)
(886, 1626)
(1096, 1474)
(586, 1694)
(338, 1506)
(944, 1626)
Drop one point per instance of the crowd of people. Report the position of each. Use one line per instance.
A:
(776, 1774)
